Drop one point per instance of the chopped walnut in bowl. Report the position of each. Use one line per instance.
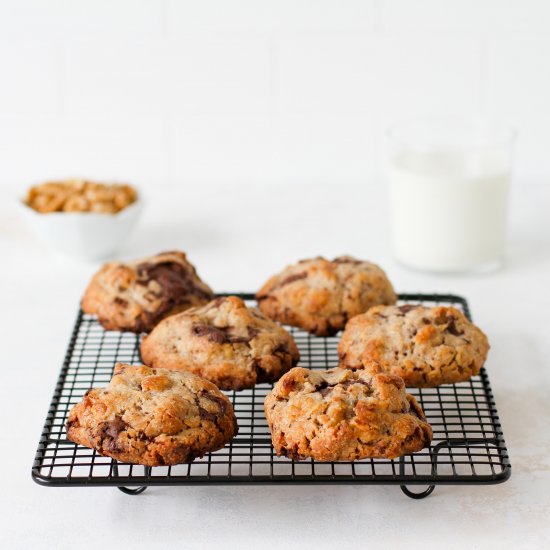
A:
(80, 196)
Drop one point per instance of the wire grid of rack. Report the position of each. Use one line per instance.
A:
(468, 445)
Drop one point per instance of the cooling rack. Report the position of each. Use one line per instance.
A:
(468, 445)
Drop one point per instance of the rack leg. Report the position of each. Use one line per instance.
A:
(417, 496)
(126, 490)
(406, 490)
(447, 443)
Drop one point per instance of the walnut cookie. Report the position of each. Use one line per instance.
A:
(320, 295)
(135, 296)
(339, 414)
(426, 346)
(233, 346)
(153, 417)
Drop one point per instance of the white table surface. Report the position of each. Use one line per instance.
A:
(238, 237)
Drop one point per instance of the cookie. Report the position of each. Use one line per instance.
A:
(135, 296)
(320, 295)
(153, 417)
(340, 414)
(426, 346)
(225, 342)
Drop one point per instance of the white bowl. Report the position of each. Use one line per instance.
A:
(84, 235)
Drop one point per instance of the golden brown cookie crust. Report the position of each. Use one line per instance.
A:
(135, 296)
(233, 346)
(320, 295)
(341, 414)
(153, 417)
(426, 346)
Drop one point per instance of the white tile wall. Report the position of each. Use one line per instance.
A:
(279, 16)
(320, 74)
(30, 73)
(289, 148)
(65, 20)
(214, 74)
(38, 147)
(473, 16)
(292, 91)
(128, 79)
(518, 87)
(423, 74)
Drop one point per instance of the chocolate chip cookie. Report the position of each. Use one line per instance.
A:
(135, 296)
(153, 417)
(320, 295)
(339, 414)
(225, 342)
(426, 346)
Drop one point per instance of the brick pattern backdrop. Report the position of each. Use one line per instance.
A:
(168, 92)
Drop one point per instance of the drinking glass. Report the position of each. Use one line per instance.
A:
(448, 184)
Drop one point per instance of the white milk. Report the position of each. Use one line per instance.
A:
(449, 209)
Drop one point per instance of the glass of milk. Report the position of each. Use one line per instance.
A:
(448, 182)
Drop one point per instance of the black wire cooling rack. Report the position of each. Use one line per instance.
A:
(467, 448)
